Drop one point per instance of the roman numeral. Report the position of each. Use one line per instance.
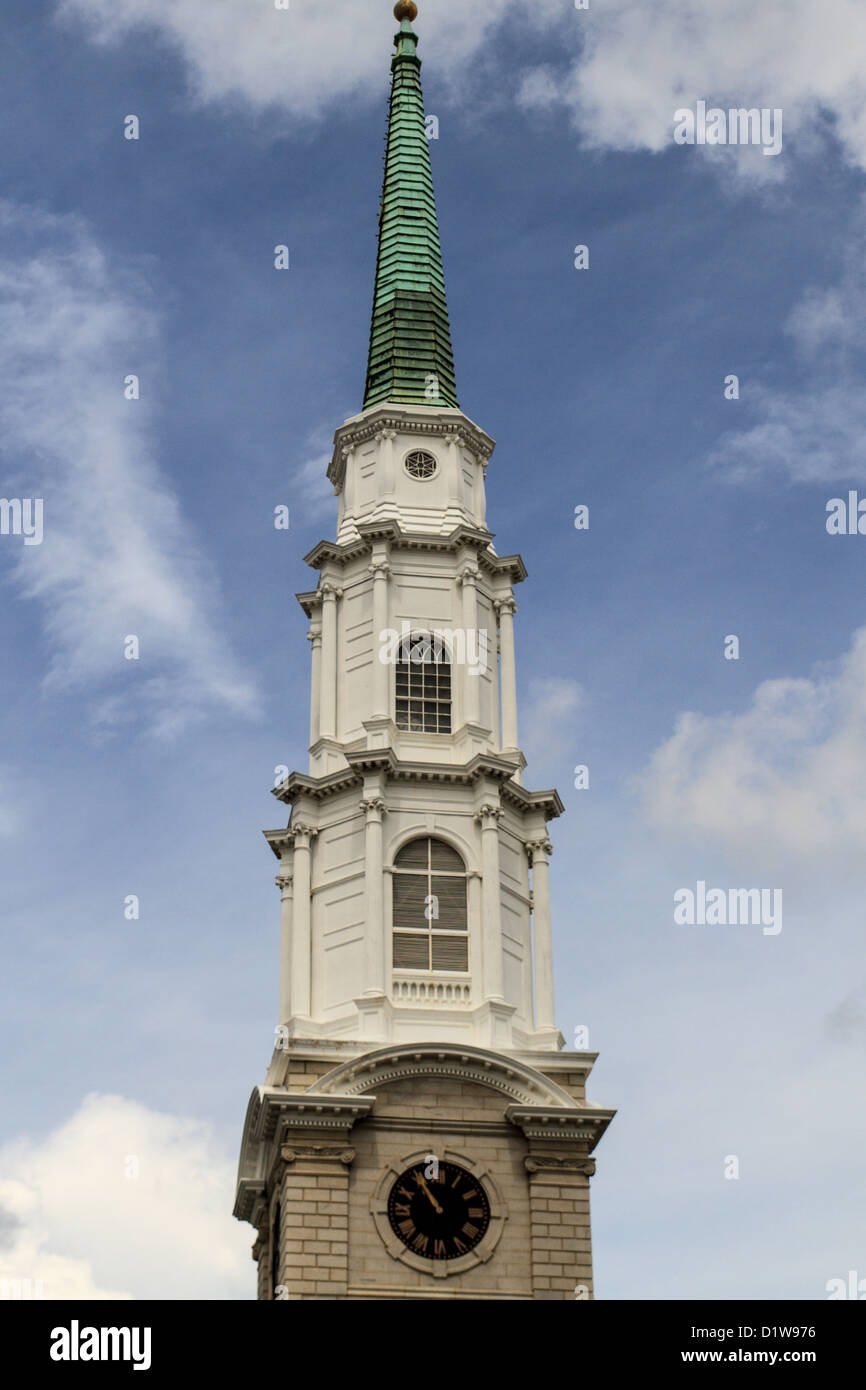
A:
(470, 1230)
(458, 1245)
(402, 1209)
(458, 1180)
(406, 1193)
(473, 1192)
(407, 1227)
(477, 1212)
(439, 1248)
(420, 1244)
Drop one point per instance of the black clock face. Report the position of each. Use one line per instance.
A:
(442, 1217)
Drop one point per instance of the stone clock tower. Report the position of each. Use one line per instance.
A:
(420, 1133)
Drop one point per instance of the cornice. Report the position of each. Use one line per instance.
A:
(574, 1124)
(509, 567)
(411, 419)
(384, 760)
(273, 1112)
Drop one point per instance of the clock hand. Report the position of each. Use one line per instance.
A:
(422, 1183)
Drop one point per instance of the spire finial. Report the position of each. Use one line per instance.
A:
(405, 9)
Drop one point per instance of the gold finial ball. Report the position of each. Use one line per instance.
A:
(405, 9)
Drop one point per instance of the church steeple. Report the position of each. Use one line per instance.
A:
(410, 359)
(419, 1110)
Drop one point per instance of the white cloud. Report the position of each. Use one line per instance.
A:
(816, 436)
(641, 62)
(634, 65)
(547, 732)
(786, 778)
(117, 558)
(303, 59)
(72, 1218)
(310, 485)
(817, 432)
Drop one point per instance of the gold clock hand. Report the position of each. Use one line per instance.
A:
(422, 1183)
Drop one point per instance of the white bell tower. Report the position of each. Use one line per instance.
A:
(416, 972)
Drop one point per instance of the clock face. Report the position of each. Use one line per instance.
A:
(438, 1218)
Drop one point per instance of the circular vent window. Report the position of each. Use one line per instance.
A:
(420, 464)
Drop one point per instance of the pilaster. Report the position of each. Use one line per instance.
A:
(506, 608)
(284, 881)
(314, 637)
(545, 1010)
(470, 684)
(380, 570)
(301, 921)
(488, 818)
(373, 807)
(559, 1222)
(328, 715)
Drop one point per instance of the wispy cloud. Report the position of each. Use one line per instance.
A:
(9, 813)
(847, 1022)
(547, 732)
(118, 558)
(787, 777)
(313, 495)
(815, 432)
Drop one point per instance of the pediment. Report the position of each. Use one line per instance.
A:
(521, 1083)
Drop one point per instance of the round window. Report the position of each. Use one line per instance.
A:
(420, 464)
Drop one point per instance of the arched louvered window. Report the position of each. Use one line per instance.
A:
(430, 920)
(424, 685)
(276, 1230)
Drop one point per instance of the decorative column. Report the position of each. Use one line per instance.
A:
(488, 818)
(284, 883)
(544, 1006)
(470, 684)
(328, 718)
(506, 609)
(302, 921)
(476, 927)
(374, 941)
(381, 572)
(495, 718)
(314, 637)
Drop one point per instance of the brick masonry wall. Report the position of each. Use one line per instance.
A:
(561, 1249)
(330, 1247)
(314, 1193)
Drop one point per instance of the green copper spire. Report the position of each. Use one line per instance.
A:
(410, 356)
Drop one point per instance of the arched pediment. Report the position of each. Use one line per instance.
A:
(522, 1084)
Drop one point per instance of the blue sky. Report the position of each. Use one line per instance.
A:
(707, 517)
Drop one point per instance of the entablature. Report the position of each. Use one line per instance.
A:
(415, 419)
